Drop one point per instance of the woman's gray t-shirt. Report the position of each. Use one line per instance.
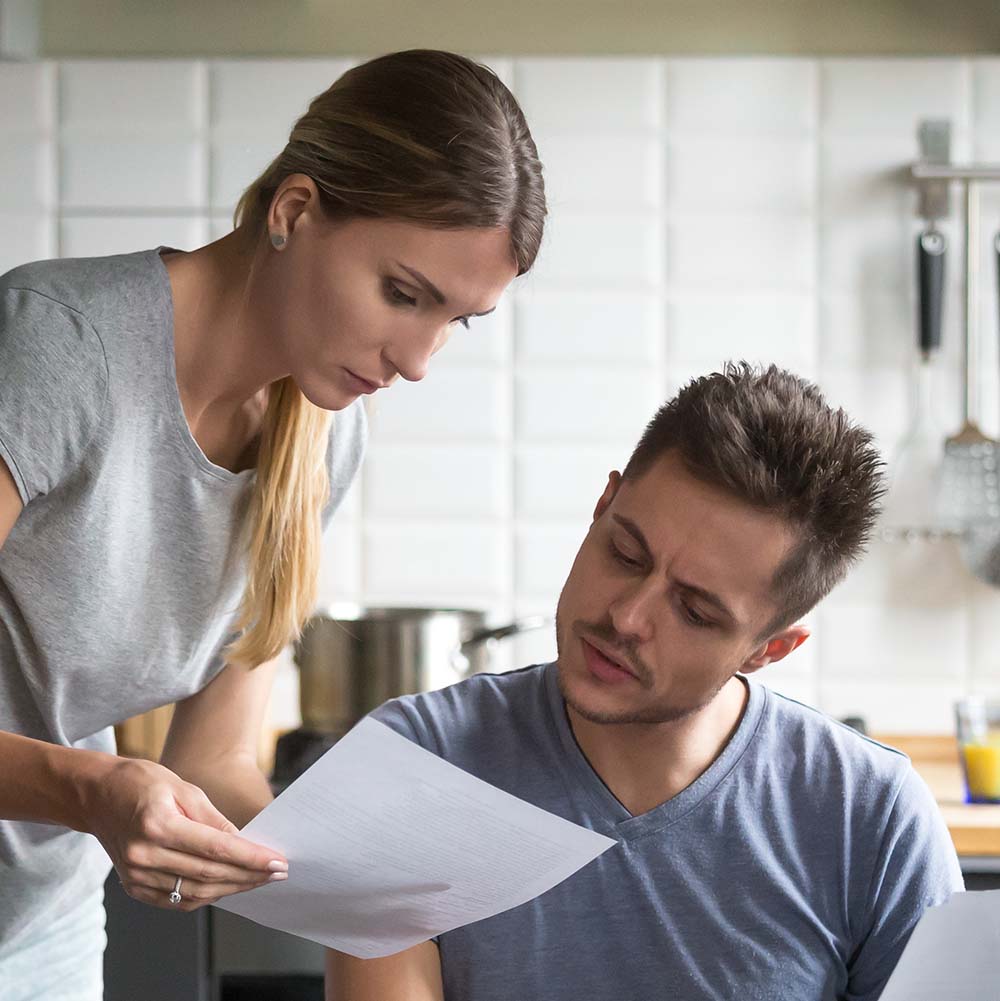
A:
(120, 580)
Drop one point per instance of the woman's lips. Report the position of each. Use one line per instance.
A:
(603, 668)
(360, 385)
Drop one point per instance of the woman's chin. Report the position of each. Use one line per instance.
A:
(327, 397)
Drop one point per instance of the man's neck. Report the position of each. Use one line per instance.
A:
(645, 764)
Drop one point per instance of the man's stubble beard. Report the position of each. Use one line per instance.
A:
(648, 715)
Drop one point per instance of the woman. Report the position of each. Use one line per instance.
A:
(167, 458)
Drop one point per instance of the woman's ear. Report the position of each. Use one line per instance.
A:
(295, 194)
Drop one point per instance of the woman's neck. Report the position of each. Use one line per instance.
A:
(223, 368)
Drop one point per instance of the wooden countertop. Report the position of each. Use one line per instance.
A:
(974, 827)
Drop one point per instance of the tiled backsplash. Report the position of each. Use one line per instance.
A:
(701, 209)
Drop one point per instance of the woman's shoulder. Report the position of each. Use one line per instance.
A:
(76, 284)
(54, 375)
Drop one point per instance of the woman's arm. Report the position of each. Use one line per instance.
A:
(10, 502)
(411, 975)
(213, 740)
(153, 824)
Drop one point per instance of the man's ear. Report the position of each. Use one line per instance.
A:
(779, 646)
(614, 484)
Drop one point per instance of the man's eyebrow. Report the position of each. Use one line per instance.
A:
(439, 297)
(708, 596)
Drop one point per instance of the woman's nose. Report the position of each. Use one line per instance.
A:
(411, 356)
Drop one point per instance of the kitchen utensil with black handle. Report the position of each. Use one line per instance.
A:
(931, 248)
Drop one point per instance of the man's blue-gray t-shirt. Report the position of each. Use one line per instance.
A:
(793, 869)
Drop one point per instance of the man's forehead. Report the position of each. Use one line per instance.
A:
(703, 532)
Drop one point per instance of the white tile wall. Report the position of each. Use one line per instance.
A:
(149, 98)
(702, 209)
(437, 481)
(743, 175)
(252, 106)
(28, 198)
(889, 97)
(93, 235)
(734, 97)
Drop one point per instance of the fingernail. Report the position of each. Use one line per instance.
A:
(277, 866)
(277, 877)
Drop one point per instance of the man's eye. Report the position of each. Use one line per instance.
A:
(693, 617)
(622, 557)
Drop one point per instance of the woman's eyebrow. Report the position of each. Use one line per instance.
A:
(439, 296)
(423, 280)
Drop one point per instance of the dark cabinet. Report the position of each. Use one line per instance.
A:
(209, 955)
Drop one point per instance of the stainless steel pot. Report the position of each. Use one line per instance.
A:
(352, 659)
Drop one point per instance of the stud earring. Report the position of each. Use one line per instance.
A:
(277, 240)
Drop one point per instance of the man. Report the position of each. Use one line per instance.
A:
(765, 851)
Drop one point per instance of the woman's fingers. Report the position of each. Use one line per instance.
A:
(156, 828)
(210, 862)
(218, 847)
(152, 864)
(193, 895)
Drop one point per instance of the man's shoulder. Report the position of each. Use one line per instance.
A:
(827, 750)
(485, 710)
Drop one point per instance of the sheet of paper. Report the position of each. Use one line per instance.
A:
(953, 953)
(389, 845)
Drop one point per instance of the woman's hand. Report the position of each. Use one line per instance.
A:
(156, 827)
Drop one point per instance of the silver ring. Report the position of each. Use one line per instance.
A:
(175, 894)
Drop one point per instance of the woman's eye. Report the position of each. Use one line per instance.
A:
(395, 294)
(464, 320)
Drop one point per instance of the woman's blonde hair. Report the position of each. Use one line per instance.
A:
(422, 136)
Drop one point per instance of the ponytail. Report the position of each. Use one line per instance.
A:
(284, 526)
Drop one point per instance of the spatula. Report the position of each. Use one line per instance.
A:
(970, 488)
(981, 540)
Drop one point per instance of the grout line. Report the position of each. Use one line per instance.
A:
(205, 85)
(56, 112)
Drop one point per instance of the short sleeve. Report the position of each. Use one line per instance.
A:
(53, 387)
(345, 452)
(396, 715)
(916, 868)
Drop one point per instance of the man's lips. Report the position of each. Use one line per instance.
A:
(604, 665)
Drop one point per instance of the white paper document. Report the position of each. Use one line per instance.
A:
(953, 953)
(389, 845)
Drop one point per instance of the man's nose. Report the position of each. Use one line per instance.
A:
(631, 614)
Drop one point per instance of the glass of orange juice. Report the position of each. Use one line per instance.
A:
(978, 727)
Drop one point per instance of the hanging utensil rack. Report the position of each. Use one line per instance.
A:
(934, 175)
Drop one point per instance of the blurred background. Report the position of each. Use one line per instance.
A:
(726, 180)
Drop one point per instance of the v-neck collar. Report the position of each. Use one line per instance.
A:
(623, 824)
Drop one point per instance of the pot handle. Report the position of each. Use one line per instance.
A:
(459, 658)
(511, 629)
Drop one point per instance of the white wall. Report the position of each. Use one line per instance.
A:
(701, 210)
